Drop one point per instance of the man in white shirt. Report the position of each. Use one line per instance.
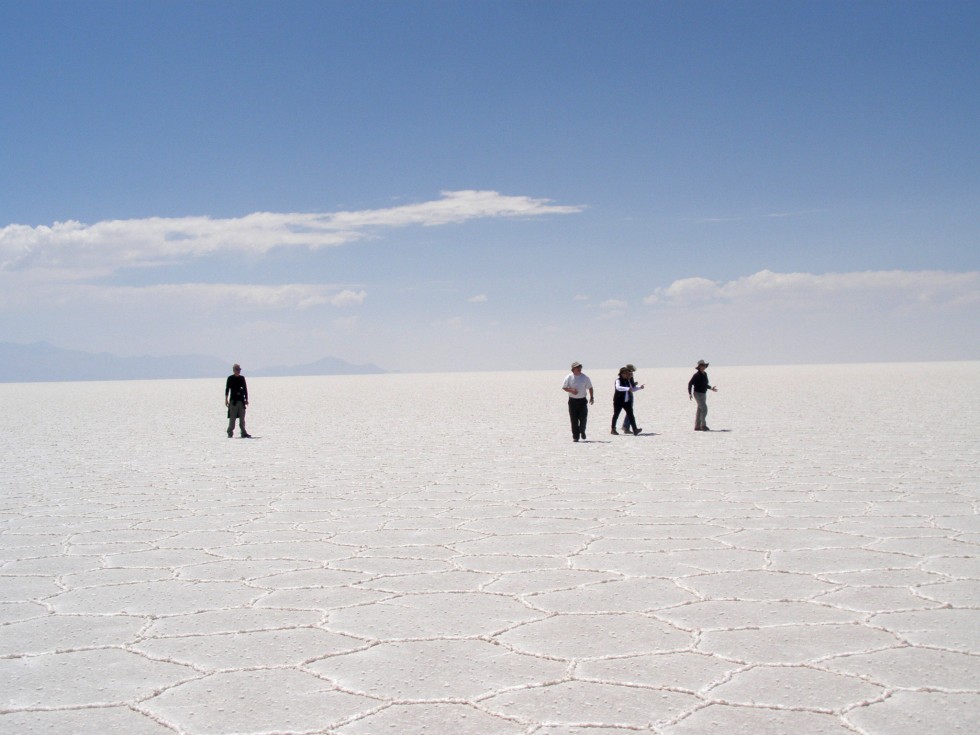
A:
(576, 385)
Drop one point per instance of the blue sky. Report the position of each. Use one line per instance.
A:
(492, 185)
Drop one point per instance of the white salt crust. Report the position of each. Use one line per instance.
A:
(432, 553)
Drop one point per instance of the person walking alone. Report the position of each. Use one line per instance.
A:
(697, 388)
(576, 385)
(236, 400)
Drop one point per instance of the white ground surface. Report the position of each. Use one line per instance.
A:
(408, 554)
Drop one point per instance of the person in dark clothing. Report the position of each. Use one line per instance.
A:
(697, 388)
(623, 400)
(626, 427)
(236, 399)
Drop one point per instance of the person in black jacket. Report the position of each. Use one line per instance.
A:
(236, 399)
(697, 388)
(626, 427)
(623, 401)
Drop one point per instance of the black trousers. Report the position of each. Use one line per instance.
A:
(630, 419)
(578, 412)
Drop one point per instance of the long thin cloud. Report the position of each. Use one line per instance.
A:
(83, 250)
(914, 286)
(197, 296)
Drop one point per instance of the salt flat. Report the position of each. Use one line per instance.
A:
(432, 553)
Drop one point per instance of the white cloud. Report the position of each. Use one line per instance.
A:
(77, 250)
(294, 296)
(783, 215)
(716, 219)
(892, 286)
(455, 206)
(478, 299)
(348, 298)
(684, 290)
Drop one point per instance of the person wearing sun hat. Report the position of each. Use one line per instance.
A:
(697, 388)
(576, 385)
(624, 388)
(631, 368)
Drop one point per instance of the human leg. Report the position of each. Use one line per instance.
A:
(702, 412)
(236, 411)
(630, 421)
(573, 415)
(616, 410)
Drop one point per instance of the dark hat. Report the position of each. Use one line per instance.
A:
(631, 367)
(702, 363)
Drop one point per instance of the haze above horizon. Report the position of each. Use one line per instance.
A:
(436, 186)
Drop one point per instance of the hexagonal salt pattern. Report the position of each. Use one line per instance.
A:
(436, 669)
(89, 720)
(446, 570)
(264, 700)
(78, 678)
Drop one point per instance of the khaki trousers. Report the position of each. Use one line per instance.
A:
(702, 415)
(236, 411)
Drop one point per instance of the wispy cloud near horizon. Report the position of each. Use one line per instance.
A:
(907, 286)
(290, 296)
(77, 250)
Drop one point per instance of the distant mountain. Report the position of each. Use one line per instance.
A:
(43, 362)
